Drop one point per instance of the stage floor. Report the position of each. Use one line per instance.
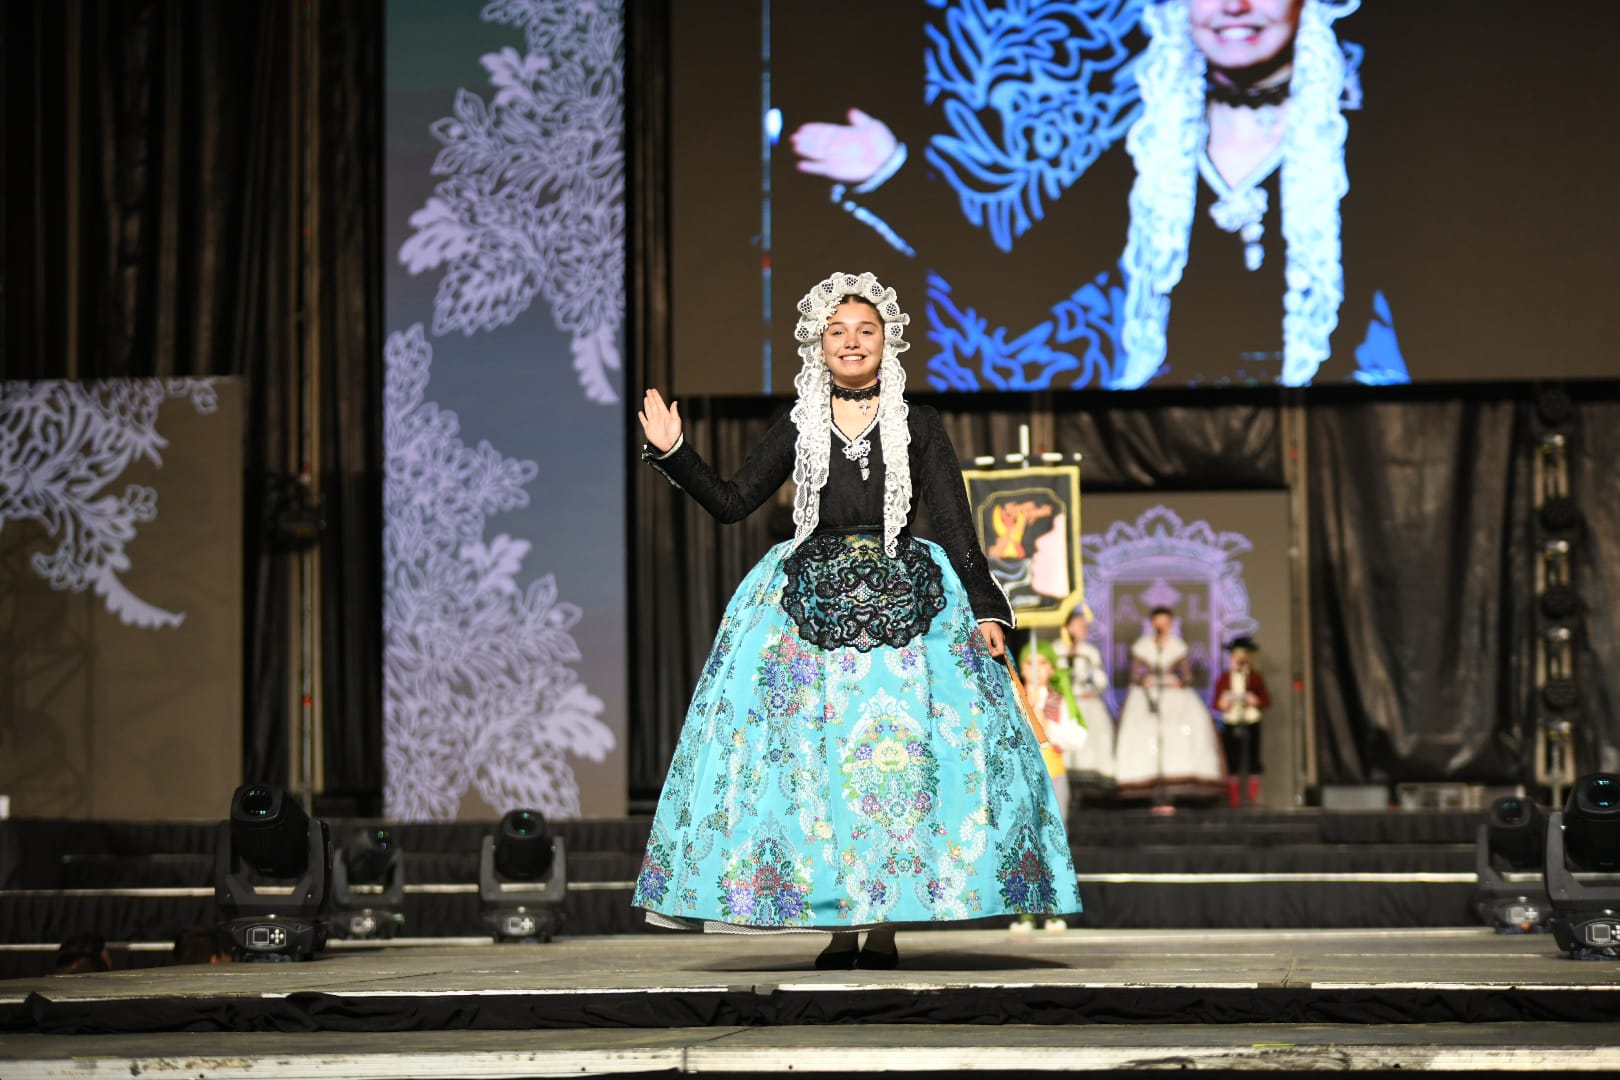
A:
(964, 1000)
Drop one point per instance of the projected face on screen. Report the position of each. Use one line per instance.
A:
(1073, 194)
(1237, 38)
(1227, 112)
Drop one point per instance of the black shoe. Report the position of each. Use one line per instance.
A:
(830, 959)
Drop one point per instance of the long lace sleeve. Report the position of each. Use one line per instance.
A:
(766, 469)
(945, 494)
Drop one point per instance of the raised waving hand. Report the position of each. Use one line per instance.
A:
(659, 422)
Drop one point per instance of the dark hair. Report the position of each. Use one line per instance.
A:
(81, 953)
(858, 299)
(1161, 610)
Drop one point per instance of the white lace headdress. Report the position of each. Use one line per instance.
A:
(812, 413)
(1165, 144)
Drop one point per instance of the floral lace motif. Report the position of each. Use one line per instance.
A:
(843, 592)
(63, 447)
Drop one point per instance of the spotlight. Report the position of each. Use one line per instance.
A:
(271, 865)
(1592, 823)
(522, 878)
(1583, 869)
(1509, 851)
(368, 886)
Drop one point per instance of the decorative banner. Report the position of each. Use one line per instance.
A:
(1028, 522)
(120, 597)
(504, 676)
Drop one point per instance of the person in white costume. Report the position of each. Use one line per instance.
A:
(1092, 764)
(1167, 743)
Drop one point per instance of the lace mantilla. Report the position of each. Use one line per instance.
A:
(843, 592)
(812, 413)
(1165, 147)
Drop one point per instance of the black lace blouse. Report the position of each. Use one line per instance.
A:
(849, 503)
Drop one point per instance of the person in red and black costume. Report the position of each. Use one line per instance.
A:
(1241, 698)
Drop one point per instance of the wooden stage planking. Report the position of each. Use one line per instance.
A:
(915, 1049)
(1270, 992)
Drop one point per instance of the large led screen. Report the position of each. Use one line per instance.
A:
(1078, 194)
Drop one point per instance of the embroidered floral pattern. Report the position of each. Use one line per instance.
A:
(1025, 877)
(841, 787)
(843, 591)
(766, 882)
(890, 776)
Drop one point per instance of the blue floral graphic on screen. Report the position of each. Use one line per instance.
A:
(1078, 346)
(1033, 92)
(1378, 359)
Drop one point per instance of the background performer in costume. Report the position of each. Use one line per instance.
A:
(854, 756)
(1093, 763)
(1240, 697)
(1046, 683)
(1167, 744)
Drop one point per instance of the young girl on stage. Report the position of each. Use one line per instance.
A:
(854, 756)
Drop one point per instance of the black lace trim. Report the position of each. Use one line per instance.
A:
(842, 591)
(865, 393)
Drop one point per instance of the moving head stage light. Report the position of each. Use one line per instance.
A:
(522, 879)
(1509, 854)
(271, 866)
(368, 886)
(1583, 869)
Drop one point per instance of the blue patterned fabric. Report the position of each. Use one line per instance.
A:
(841, 788)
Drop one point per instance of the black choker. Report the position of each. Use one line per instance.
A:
(1246, 97)
(865, 394)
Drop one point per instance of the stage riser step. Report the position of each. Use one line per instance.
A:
(1109, 905)
(169, 871)
(135, 871)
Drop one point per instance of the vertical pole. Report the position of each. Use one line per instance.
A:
(72, 83)
(1301, 684)
(304, 736)
(314, 319)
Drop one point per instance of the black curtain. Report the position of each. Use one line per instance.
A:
(166, 208)
(1423, 583)
(1595, 465)
(1420, 536)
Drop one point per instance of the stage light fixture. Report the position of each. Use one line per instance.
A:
(522, 878)
(1509, 852)
(368, 886)
(271, 869)
(1592, 823)
(1583, 869)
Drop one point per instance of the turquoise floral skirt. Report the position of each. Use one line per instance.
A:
(860, 761)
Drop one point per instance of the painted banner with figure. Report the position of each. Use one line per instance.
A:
(504, 681)
(1028, 521)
